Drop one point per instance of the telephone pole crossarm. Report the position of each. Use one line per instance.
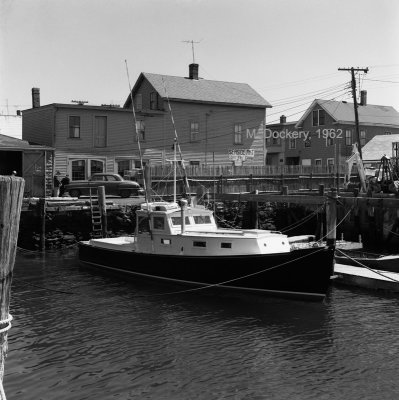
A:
(352, 71)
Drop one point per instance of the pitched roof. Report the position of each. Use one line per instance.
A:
(343, 112)
(379, 146)
(8, 142)
(201, 91)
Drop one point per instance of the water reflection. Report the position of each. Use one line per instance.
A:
(81, 335)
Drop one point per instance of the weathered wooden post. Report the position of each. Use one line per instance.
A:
(103, 210)
(331, 217)
(11, 195)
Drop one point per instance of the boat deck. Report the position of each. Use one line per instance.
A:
(366, 278)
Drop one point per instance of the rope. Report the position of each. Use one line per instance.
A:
(303, 220)
(365, 266)
(6, 321)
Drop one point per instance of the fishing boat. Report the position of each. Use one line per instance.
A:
(178, 243)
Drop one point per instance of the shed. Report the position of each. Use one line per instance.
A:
(34, 163)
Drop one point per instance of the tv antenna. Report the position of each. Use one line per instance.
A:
(192, 46)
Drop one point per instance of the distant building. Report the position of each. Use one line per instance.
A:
(216, 122)
(325, 134)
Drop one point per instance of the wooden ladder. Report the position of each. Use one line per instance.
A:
(96, 221)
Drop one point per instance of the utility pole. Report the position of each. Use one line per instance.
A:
(352, 70)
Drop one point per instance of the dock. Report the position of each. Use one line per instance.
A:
(366, 278)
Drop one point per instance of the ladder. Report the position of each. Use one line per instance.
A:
(96, 222)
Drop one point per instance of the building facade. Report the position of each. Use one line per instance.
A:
(325, 134)
(215, 122)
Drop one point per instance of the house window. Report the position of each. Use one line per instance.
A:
(153, 101)
(362, 138)
(100, 132)
(237, 134)
(194, 131)
(330, 164)
(78, 170)
(74, 127)
(292, 143)
(195, 163)
(140, 129)
(329, 141)
(96, 166)
(348, 137)
(81, 169)
(139, 102)
(318, 117)
(308, 142)
(317, 162)
(123, 165)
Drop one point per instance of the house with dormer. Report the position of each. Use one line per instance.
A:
(326, 132)
(216, 123)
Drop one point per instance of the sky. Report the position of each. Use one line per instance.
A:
(289, 51)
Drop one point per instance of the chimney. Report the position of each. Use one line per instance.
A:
(363, 97)
(193, 71)
(35, 97)
(283, 119)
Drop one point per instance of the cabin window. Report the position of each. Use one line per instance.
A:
(194, 131)
(143, 225)
(140, 129)
(237, 134)
(166, 241)
(197, 243)
(202, 219)
(225, 245)
(318, 117)
(177, 221)
(74, 127)
(159, 222)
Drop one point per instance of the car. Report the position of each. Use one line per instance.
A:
(114, 184)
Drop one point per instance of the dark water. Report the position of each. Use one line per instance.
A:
(80, 335)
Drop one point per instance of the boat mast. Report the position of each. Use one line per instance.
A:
(174, 171)
(185, 179)
(146, 194)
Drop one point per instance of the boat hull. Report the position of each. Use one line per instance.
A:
(301, 273)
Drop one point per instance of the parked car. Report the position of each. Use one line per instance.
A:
(114, 185)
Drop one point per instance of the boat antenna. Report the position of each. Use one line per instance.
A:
(185, 179)
(137, 135)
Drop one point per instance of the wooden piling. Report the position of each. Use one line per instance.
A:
(11, 195)
(103, 210)
(331, 216)
(42, 213)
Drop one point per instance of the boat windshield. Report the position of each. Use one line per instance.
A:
(177, 221)
(202, 219)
